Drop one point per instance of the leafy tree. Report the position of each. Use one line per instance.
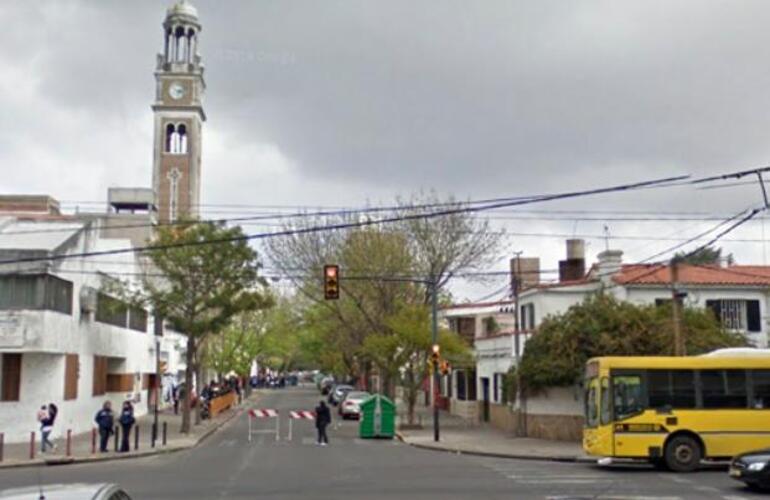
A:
(604, 326)
(376, 263)
(704, 256)
(404, 354)
(209, 277)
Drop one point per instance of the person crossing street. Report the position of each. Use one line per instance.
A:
(323, 418)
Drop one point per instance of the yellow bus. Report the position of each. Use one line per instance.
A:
(675, 411)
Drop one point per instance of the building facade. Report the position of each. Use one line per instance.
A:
(66, 335)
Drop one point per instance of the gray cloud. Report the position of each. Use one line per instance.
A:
(343, 102)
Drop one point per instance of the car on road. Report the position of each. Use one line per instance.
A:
(76, 491)
(752, 468)
(351, 405)
(338, 393)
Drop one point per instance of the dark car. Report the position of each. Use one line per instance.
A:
(753, 468)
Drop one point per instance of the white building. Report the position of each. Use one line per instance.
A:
(65, 336)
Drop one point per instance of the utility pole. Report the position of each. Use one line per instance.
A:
(676, 306)
(157, 391)
(436, 379)
(515, 284)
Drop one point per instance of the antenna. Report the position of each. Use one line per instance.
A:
(606, 237)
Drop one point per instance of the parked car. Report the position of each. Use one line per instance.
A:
(338, 393)
(753, 468)
(78, 491)
(351, 405)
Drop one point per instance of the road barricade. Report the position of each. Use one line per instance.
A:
(264, 413)
(299, 415)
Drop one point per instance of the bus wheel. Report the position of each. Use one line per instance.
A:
(683, 454)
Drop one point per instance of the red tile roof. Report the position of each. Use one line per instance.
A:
(657, 274)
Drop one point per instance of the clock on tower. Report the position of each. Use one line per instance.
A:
(179, 116)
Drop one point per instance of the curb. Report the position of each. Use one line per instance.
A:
(55, 461)
(513, 456)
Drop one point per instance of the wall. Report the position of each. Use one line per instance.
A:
(555, 413)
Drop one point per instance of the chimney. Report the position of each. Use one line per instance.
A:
(527, 269)
(610, 263)
(574, 268)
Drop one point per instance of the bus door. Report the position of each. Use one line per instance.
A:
(627, 402)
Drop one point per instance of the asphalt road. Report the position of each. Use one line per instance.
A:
(227, 466)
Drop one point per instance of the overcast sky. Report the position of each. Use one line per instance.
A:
(344, 103)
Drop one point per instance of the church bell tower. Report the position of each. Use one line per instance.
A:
(179, 116)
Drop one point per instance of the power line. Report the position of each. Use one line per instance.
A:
(370, 222)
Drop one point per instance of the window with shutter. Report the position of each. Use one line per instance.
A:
(71, 375)
(10, 390)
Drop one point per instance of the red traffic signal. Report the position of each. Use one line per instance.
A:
(331, 282)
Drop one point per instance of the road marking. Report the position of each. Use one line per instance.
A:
(566, 476)
(709, 489)
(610, 497)
(678, 479)
(733, 497)
(227, 443)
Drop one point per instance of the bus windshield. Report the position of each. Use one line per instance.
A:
(627, 396)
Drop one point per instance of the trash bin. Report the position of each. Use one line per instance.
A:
(378, 418)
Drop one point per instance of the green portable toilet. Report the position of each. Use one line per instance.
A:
(378, 418)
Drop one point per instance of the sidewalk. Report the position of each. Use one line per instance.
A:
(18, 454)
(458, 436)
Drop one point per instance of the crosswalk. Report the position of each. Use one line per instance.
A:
(569, 481)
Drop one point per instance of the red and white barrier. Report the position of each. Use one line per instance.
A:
(299, 415)
(260, 413)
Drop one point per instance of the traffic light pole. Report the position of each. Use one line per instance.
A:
(436, 378)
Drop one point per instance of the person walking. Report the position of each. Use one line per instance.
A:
(126, 422)
(175, 397)
(323, 417)
(46, 417)
(105, 420)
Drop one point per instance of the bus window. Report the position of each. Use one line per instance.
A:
(724, 388)
(591, 414)
(672, 388)
(604, 402)
(761, 389)
(627, 395)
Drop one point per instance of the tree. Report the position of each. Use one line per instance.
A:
(405, 354)
(209, 275)
(706, 256)
(604, 326)
(384, 268)
(235, 348)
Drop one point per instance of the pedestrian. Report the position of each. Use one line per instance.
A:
(105, 420)
(323, 417)
(175, 397)
(46, 420)
(126, 422)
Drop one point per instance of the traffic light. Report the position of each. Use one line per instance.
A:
(331, 282)
(446, 368)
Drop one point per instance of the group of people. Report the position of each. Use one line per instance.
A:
(105, 421)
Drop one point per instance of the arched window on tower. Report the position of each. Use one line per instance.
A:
(170, 137)
(168, 43)
(182, 133)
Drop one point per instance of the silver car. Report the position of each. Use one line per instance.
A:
(351, 405)
(79, 491)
